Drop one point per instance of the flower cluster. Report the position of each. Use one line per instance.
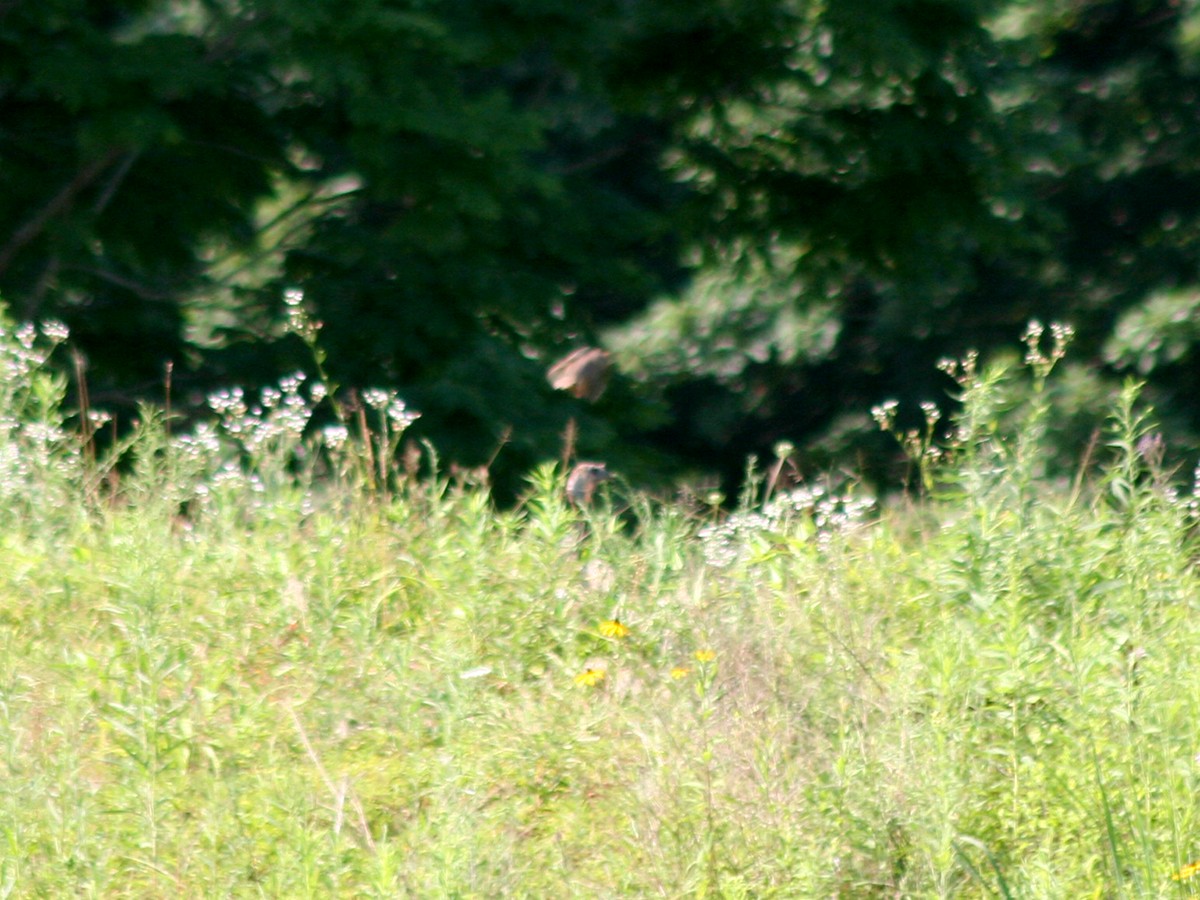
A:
(1035, 356)
(590, 677)
(25, 354)
(388, 402)
(31, 434)
(595, 673)
(299, 322)
(613, 628)
(281, 414)
(1185, 873)
(805, 511)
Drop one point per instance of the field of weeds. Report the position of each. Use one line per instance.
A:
(255, 658)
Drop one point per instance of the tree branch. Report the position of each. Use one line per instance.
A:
(143, 291)
(55, 206)
(114, 182)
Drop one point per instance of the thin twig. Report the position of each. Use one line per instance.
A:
(55, 206)
(338, 795)
(505, 436)
(168, 371)
(360, 413)
(143, 291)
(114, 181)
(1084, 464)
(87, 431)
(570, 434)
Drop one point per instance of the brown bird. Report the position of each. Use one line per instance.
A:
(583, 481)
(583, 372)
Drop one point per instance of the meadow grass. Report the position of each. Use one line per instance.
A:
(257, 659)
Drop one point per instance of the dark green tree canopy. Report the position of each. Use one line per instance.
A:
(775, 211)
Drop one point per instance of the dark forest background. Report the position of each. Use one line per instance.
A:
(774, 213)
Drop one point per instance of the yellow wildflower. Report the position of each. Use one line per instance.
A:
(680, 672)
(1191, 870)
(705, 655)
(590, 677)
(612, 628)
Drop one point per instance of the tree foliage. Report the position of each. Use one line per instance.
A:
(777, 212)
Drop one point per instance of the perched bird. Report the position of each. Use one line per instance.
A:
(583, 372)
(583, 481)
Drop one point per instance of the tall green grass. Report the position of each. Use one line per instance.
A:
(257, 659)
